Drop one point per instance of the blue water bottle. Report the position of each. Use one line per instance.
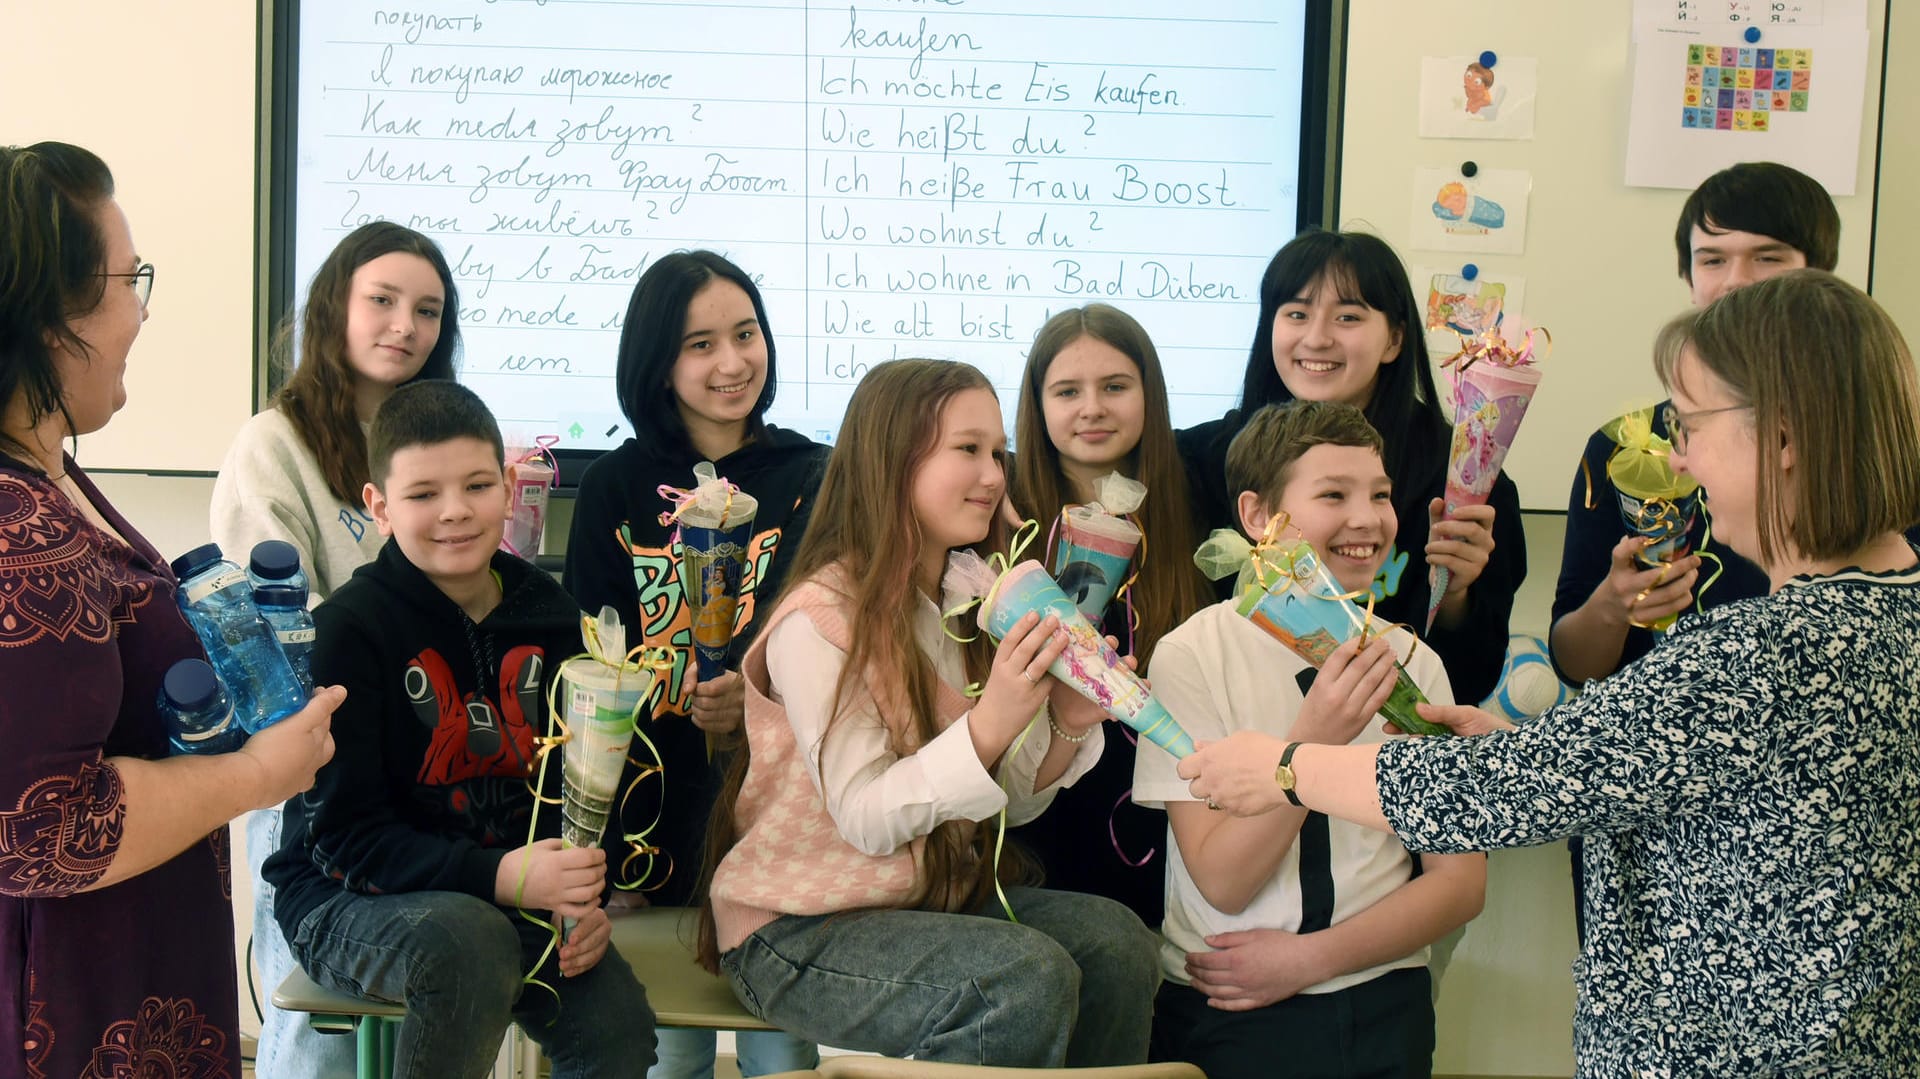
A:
(240, 644)
(199, 716)
(285, 609)
(275, 562)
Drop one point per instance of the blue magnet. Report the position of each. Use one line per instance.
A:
(1469, 271)
(1488, 59)
(1752, 34)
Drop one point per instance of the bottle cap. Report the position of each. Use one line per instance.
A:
(196, 560)
(190, 685)
(280, 595)
(274, 560)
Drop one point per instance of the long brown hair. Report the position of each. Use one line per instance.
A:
(1169, 590)
(318, 399)
(864, 542)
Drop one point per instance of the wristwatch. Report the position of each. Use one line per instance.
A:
(1283, 773)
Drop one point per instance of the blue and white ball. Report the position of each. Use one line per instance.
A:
(1528, 685)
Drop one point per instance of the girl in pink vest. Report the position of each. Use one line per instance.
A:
(852, 899)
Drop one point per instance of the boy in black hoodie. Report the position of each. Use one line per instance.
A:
(402, 868)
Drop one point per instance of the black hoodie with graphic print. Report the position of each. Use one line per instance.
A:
(619, 554)
(429, 785)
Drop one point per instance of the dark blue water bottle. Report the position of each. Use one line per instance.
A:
(285, 609)
(275, 562)
(199, 716)
(240, 644)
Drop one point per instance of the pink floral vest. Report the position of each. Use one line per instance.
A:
(790, 858)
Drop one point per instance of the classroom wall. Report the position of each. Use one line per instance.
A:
(1896, 257)
(1599, 264)
(164, 92)
(91, 72)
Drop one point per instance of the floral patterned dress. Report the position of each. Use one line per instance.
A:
(1749, 793)
(135, 979)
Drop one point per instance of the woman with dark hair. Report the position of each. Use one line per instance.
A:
(382, 312)
(114, 891)
(1749, 790)
(1339, 322)
(695, 379)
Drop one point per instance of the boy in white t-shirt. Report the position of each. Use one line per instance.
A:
(1294, 944)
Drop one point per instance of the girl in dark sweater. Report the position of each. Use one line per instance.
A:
(695, 379)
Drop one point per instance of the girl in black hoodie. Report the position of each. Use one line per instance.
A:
(695, 379)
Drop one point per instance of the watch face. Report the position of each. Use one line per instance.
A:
(1283, 775)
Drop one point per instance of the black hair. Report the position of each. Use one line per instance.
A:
(1767, 199)
(650, 346)
(427, 414)
(1405, 407)
(52, 253)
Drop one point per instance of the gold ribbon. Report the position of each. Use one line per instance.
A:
(640, 660)
(1489, 346)
(1271, 563)
(1660, 519)
(1125, 591)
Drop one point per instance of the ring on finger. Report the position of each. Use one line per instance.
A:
(1029, 677)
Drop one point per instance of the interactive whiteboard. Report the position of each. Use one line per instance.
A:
(902, 178)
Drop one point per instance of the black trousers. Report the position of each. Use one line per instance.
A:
(1382, 1027)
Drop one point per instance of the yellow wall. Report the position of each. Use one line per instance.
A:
(1896, 253)
(164, 92)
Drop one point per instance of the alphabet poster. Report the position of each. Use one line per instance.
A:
(1784, 82)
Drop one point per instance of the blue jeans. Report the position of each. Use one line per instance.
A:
(455, 962)
(688, 1054)
(289, 1048)
(1071, 984)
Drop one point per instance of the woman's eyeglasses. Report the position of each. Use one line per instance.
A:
(142, 282)
(1678, 422)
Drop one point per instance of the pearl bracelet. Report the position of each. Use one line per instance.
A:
(1076, 739)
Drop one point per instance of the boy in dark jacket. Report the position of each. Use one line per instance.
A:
(402, 868)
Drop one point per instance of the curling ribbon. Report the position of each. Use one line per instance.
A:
(1226, 551)
(1023, 538)
(640, 660)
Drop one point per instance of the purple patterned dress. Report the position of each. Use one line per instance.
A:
(136, 979)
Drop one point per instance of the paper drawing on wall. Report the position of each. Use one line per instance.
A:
(1483, 103)
(1483, 212)
(1465, 307)
(1463, 98)
(1463, 213)
(1455, 304)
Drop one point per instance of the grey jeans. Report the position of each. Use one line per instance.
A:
(455, 961)
(1071, 984)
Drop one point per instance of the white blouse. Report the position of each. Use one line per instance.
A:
(879, 800)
